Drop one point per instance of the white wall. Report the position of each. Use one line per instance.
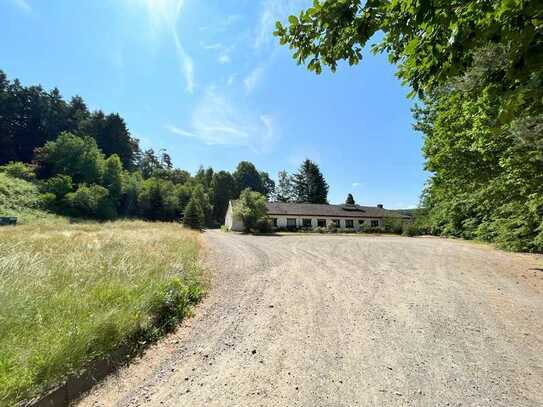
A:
(282, 221)
(235, 224)
(231, 222)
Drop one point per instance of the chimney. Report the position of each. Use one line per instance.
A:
(380, 206)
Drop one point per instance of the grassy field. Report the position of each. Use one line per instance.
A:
(71, 293)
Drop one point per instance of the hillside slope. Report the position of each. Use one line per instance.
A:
(21, 198)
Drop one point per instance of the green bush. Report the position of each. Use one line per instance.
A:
(393, 224)
(410, 230)
(23, 200)
(264, 226)
(17, 169)
(194, 216)
(158, 200)
(91, 201)
(251, 209)
(59, 186)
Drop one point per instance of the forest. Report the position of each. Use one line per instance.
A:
(87, 165)
(476, 71)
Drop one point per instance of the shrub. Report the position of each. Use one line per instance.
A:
(194, 216)
(264, 226)
(157, 200)
(59, 186)
(250, 208)
(72, 155)
(332, 228)
(91, 201)
(17, 169)
(393, 224)
(410, 230)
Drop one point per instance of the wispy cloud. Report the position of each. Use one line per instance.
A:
(163, 17)
(272, 11)
(224, 52)
(231, 79)
(23, 5)
(224, 59)
(255, 76)
(217, 121)
(355, 184)
(222, 25)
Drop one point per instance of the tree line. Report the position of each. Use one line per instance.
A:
(477, 70)
(88, 165)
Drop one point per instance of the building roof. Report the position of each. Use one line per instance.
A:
(324, 210)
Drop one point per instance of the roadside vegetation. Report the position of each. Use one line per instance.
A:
(73, 293)
(21, 199)
(476, 69)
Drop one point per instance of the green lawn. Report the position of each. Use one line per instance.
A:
(73, 293)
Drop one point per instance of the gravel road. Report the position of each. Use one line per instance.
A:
(325, 320)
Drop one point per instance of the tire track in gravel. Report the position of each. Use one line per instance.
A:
(322, 320)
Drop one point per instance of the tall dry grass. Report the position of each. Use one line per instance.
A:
(72, 293)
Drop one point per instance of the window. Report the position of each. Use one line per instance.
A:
(321, 223)
(374, 223)
(336, 222)
(306, 223)
(274, 222)
(361, 222)
(291, 223)
(349, 223)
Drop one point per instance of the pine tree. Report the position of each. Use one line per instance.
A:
(194, 216)
(309, 184)
(350, 200)
(202, 199)
(284, 190)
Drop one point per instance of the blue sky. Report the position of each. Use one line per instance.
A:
(207, 81)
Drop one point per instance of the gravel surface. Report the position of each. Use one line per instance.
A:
(324, 320)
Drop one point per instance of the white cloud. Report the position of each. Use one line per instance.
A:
(231, 79)
(272, 11)
(23, 5)
(214, 46)
(163, 16)
(253, 79)
(355, 184)
(216, 121)
(224, 59)
(224, 51)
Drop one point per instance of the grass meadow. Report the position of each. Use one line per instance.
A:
(72, 293)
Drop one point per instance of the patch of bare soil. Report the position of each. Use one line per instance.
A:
(323, 320)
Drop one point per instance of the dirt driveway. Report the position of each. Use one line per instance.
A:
(320, 320)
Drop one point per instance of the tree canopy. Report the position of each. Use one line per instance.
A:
(477, 69)
(309, 184)
(251, 209)
(284, 192)
(30, 116)
(247, 176)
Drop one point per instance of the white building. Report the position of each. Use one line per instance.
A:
(305, 215)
